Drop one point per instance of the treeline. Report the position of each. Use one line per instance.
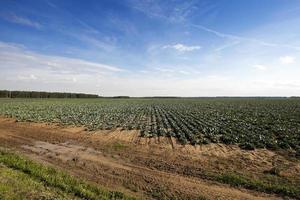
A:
(36, 94)
(121, 97)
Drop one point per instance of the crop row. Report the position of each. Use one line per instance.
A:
(261, 123)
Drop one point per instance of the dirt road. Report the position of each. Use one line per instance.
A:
(146, 168)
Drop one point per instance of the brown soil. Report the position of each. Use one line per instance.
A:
(149, 168)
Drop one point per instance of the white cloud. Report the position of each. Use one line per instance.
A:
(15, 57)
(21, 20)
(164, 69)
(260, 67)
(21, 69)
(287, 60)
(184, 72)
(171, 72)
(26, 70)
(144, 71)
(27, 77)
(182, 47)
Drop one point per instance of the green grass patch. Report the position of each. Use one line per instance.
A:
(16, 185)
(119, 146)
(53, 178)
(276, 187)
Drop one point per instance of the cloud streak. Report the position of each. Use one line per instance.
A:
(240, 38)
(168, 11)
(14, 57)
(182, 48)
(21, 20)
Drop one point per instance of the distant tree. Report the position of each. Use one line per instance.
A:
(37, 94)
(4, 94)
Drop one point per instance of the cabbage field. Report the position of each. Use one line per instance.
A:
(272, 123)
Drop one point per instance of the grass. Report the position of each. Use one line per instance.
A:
(267, 182)
(276, 187)
(36, 179)
(16, 185)
(119, 146)
(21, 178)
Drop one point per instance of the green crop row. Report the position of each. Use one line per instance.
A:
(249, 122)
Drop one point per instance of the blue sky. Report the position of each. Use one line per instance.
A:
(151, 47)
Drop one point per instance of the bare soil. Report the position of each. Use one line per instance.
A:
(148, 168)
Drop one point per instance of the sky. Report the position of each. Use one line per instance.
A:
(151, 47)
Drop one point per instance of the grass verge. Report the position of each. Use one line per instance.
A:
(53, 178)
(258, 185)
(15, 185)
